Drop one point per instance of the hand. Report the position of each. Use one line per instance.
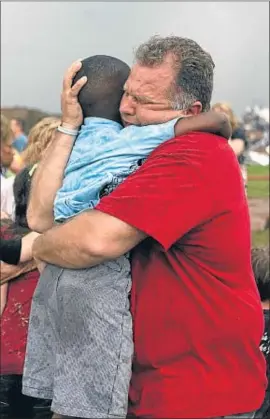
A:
(9, 272)
(72, 116)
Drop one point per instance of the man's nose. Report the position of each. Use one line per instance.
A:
(127, 106)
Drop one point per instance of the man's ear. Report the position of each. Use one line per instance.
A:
(195, 109)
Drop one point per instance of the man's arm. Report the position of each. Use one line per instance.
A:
(49, 174)
(87, 240)
(147, 204)
(46, 181)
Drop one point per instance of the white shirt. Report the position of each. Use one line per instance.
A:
(7, 196)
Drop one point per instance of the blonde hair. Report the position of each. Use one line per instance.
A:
(6, 132)
(227, 109)
(39, 138)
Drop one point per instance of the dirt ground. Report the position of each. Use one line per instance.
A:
(259, 212)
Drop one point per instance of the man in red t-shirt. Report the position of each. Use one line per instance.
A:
(196, 310)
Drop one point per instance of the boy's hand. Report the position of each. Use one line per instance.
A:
(212, 122)
(72, 116)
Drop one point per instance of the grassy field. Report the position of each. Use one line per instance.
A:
(257, 170)
(260, 238)
(259, 189)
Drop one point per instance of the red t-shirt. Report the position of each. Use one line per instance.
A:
(196, 310)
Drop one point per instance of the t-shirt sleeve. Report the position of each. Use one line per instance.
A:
(167, 197)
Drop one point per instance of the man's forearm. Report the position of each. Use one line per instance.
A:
(61, 246)
(47, 180)
(86, 240)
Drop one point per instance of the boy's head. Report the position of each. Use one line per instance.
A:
(260, 265)
(101, 95)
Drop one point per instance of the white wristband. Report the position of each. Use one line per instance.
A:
(68, 131)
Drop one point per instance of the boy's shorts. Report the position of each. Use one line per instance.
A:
(80, 345)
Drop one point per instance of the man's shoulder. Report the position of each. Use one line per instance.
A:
(193, 143)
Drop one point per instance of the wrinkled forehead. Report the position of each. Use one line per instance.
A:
(150, 81)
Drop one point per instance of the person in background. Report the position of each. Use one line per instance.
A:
(6, 155)
(261, 269)
(20, 139)
(6, 151)
(18, 251)
(40, 136)
(16, 301)
(238, 140)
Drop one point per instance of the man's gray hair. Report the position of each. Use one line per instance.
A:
(194, 68)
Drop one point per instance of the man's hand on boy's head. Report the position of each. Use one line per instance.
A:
(72, 116)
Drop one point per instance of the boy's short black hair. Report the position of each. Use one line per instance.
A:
(101, 95)
(260, 265)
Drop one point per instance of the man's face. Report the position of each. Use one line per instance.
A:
(147, 93)
(7, 153)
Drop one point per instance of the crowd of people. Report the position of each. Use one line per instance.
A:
(128, 284)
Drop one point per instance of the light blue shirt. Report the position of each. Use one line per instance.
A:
(20, 143)
(103, 152)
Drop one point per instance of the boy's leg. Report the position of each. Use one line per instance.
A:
(92, 368)
(40, 356)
